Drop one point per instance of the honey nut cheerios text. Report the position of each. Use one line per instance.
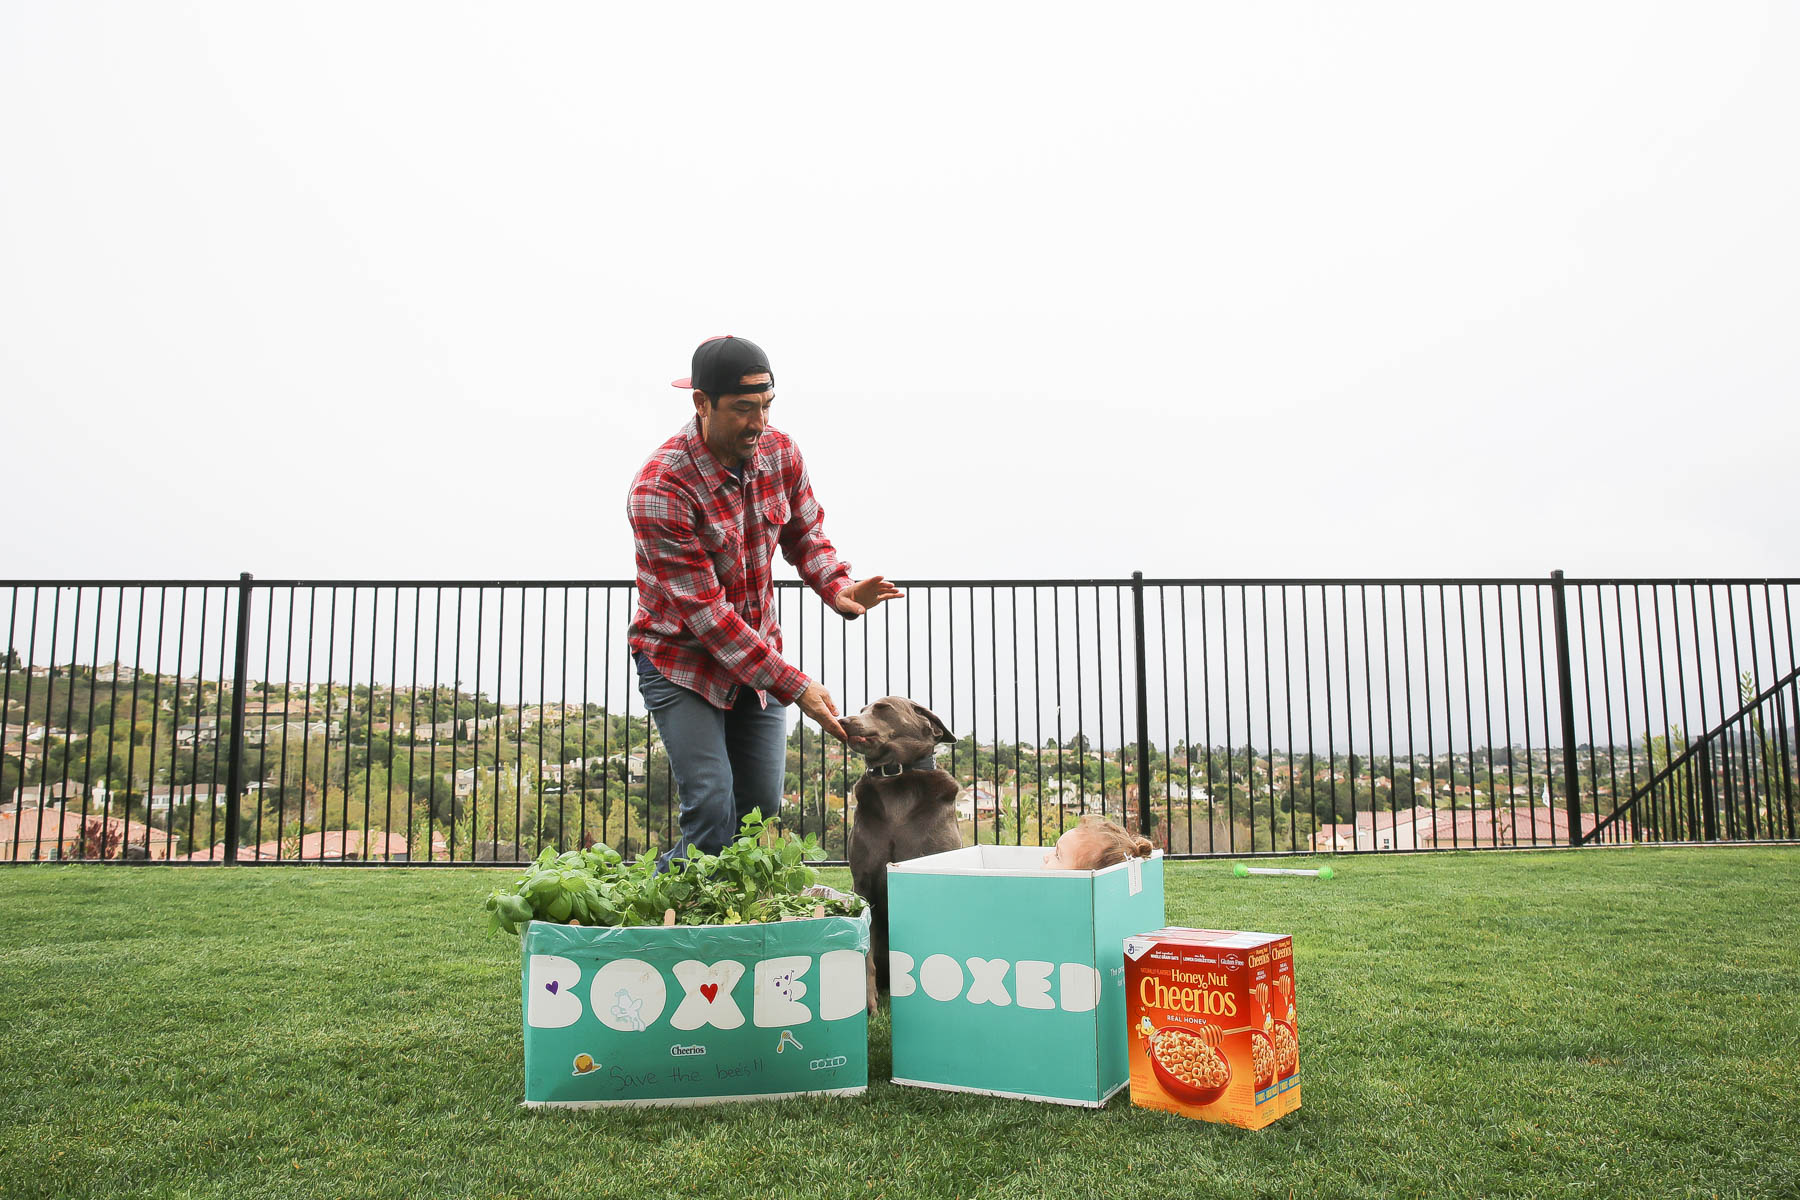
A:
(1212, 1002)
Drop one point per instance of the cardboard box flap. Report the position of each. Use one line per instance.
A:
(718, 941)
(1009, 860)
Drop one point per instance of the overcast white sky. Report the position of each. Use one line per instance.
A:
(396, 290)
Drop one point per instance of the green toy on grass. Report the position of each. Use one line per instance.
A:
(1243, 872)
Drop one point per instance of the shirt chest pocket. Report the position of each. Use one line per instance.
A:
(723, 545)
(774, 512)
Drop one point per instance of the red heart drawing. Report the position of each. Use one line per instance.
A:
(710, 991)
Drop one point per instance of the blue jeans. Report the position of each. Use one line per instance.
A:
(725, 762)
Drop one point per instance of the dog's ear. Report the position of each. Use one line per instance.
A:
(940, 733)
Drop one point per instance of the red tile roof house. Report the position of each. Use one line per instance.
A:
(333, 845)
(52, 833)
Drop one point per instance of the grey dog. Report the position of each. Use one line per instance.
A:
(905, 806)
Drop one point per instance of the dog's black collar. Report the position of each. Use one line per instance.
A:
(889, 770)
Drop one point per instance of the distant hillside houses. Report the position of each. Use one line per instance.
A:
(976, 801)
(46, 795)
(1420, 828)
(162, 799)
(203, 731)
(591, 765)
(261, 733)
(539, 713)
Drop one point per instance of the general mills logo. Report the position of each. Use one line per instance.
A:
(827, 1064)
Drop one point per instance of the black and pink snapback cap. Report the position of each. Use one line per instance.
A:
(720, 363)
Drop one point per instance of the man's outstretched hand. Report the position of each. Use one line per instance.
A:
(865, 594)
(817, 703)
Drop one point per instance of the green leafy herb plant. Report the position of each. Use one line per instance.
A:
(761, 876)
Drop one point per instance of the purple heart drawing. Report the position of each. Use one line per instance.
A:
(551, 986)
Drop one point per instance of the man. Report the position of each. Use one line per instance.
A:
(707, 510)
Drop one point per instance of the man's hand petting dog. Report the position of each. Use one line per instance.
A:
(817, 703)
(905, 807)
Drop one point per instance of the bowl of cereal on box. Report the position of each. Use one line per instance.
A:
(1287, 1049)
(1188, 1066)
(1262, 1059)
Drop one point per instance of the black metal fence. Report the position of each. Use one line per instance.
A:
(478, 721)
(1735, 784)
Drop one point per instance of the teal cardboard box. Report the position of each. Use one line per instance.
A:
(1008, 979)
(695, 1014)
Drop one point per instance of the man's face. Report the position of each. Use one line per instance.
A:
(730, 424)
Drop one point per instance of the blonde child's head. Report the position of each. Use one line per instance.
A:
(1096, 843)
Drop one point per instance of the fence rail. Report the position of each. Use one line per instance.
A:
(458, 721)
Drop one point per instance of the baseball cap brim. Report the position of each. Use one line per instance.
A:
(686, 383)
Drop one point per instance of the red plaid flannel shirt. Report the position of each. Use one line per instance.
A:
(705, 546)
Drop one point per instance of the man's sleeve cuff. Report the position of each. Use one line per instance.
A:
(835, 588)
(790, 685)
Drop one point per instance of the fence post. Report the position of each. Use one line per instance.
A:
(1143, 714)
(234, 778)
(1709, 799)
(1565, 692)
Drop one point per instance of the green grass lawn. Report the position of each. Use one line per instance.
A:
(1601, 1023)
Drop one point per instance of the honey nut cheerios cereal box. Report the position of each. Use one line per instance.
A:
(1212, 1026)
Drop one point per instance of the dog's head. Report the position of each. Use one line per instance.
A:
(895, 730)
